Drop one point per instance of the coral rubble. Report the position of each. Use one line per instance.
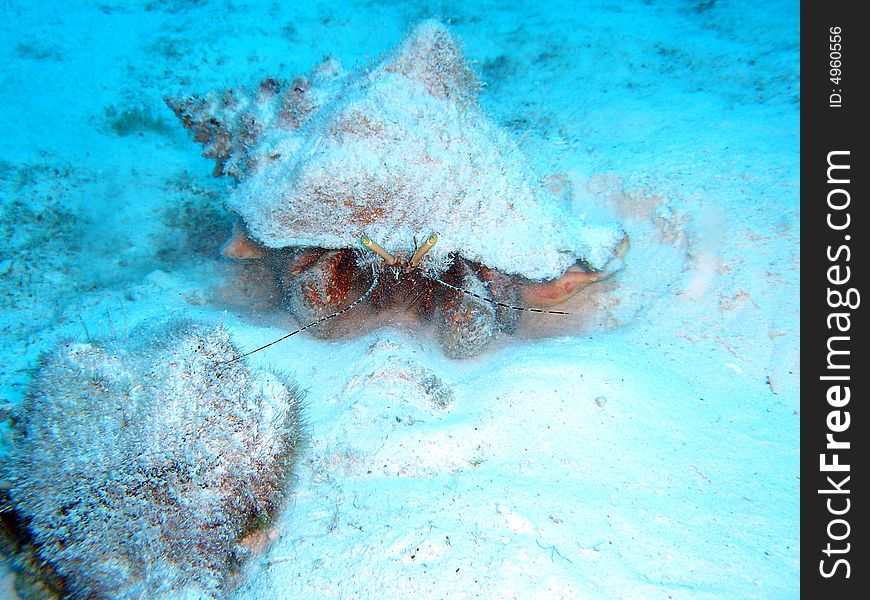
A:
(143, 472)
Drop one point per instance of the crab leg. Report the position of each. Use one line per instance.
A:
(422, 250)
(388, 258)
(301, 261)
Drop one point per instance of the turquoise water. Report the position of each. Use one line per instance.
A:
(646, 449)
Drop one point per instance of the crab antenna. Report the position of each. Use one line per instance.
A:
(368, 243)
(422, 250)
(337, 313)
(497, 303)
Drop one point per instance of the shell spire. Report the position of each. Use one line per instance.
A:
(432, 56)
(230, 125)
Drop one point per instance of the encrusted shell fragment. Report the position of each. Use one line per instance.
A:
(141, 470)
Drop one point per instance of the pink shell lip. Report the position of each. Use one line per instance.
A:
(557, 291)
(240, 246)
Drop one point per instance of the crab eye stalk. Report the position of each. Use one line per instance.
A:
(422, 250)
(368, 243)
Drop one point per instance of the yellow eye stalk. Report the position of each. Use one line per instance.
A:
(422, 250)
(388, 258)
(392, 260)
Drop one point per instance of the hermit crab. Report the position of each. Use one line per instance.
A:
(391, 186)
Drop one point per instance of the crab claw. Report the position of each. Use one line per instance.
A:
(240, 246)
(505, 291)
(468, 321)
(321, 289)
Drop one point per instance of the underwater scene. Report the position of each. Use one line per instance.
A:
(400, 299)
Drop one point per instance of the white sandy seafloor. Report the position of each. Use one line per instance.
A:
(644, 448)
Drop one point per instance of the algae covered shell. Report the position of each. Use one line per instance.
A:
(396, 153)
